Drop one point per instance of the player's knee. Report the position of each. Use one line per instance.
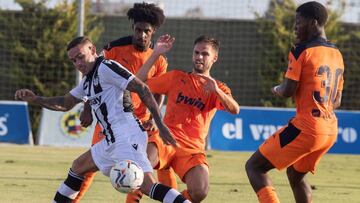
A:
(198, 194)
(249, 166)
(76, 166)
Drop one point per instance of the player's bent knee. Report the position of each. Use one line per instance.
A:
(249, 166)
(75, 167)
(198, 194)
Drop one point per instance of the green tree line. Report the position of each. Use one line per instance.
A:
(35, 42)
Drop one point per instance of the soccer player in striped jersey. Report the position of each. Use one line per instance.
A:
(315, 78)
(192, 100)
(106, 86)
(131, 52)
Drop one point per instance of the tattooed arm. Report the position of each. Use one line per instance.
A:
(60, 103)
(147, 98)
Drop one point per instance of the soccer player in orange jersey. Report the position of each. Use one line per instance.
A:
(132, 52)
(193, 99)
(315, 78)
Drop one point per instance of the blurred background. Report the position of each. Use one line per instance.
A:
(255, 36)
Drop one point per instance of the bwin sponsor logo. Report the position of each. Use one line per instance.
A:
(95, 101)
(190, 101)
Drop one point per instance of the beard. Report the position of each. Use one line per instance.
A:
(199, 68)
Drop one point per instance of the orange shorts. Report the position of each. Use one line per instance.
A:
(289, 146)
(181, 160)
(98, 135)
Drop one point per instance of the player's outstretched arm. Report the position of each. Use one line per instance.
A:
(227, 101)
(61, 103)
(163, 45)
(286, 89)
(147, 98)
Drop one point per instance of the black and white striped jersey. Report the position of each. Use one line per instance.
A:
(105, 89)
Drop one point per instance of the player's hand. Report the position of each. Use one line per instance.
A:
(25, 95)
(209, 83)
(166, 136)
(149, 125)
(163, 44)
(86, 117)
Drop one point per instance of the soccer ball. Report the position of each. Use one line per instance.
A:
(126, 176)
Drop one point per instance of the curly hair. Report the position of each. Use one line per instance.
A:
(145, 12)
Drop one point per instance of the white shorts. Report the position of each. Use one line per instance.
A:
(127, 146)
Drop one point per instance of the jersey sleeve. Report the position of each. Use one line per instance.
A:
(162, 83)
(78, 91)
(293, 71)
(114, 73)
(161, 66)
(227, 91)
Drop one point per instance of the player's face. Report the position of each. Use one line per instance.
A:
(204, 56)
(143, 33)
(83, 57)
(302, 28)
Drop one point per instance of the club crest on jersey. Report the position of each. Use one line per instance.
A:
(190, 101)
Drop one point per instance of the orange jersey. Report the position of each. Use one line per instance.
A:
(318, 67)
(189, 109)
(124, 52)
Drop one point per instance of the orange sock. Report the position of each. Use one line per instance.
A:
(167, 177)
(186, 194)
(134, 196)
(267, 195)
(84, 186)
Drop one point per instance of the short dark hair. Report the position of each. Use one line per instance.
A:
(76, 41)
(145, 12)
(313, 10)
(210, 40)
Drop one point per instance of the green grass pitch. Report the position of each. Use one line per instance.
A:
(32, 174)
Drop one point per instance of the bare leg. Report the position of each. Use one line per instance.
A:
(299, 186)
(256, 169)
(69, 189)
(197, 182)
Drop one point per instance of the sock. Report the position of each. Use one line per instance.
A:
(166, 194)
(267, 194)
(167, 177)
(134, 196)
(85, 186)
(69, 188)
(186, 194)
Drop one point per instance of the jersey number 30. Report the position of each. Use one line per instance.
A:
(322, 70)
